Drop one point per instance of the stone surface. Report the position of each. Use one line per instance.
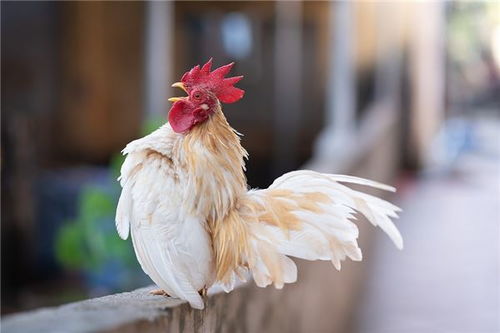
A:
(91, 315)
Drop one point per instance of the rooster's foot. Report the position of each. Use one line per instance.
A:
(203, 292)
(159, 292)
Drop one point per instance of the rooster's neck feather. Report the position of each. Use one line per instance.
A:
(214, 158)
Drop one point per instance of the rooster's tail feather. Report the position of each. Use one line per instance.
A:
(308, 215)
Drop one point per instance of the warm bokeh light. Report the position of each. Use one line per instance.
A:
(495, 45)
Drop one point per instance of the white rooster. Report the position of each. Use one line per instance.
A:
(193, 220)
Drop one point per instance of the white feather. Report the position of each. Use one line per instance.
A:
(171, 244)
(123, 213)
(376, 210)
(329, 235)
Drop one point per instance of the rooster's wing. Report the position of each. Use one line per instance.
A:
(172, 247)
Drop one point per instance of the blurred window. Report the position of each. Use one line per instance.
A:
(236, 35)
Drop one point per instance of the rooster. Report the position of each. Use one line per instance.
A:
(193, 221)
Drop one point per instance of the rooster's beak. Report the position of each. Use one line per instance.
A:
(177, 85)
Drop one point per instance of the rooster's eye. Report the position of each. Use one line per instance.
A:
(197, 95)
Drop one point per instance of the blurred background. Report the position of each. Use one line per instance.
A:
(402, 92)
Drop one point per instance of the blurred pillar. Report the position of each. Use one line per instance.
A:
(287, 85)
(390, 17)
(341, 101)
(427, 66)
(159, 27)
(337, 136)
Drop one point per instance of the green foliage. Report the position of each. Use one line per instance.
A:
(90, 240)
(152, 123)
(69, 245)
(115, 165)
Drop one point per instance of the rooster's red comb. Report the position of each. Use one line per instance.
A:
(214, 81)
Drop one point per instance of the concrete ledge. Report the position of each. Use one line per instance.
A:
(322, 300)
(92, 315)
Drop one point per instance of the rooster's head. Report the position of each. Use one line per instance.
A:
(205, 88)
